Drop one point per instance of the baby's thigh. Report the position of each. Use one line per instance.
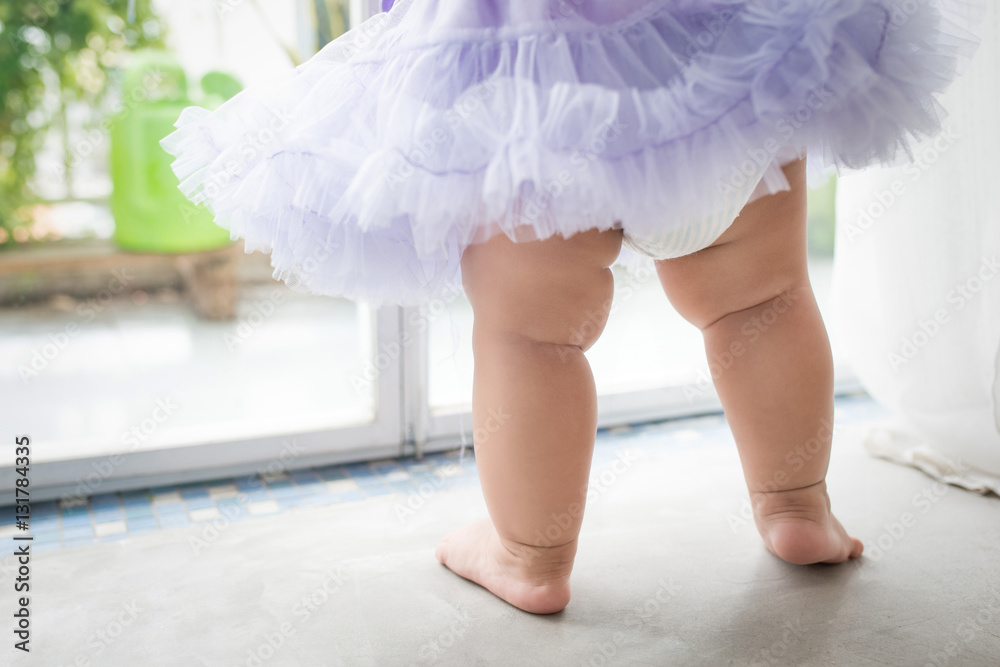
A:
(761, 255)
(557, 291)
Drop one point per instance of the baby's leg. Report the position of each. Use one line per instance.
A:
(538, 306)
(750, 295)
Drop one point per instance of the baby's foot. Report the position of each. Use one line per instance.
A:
(798, 526)
(535, 579)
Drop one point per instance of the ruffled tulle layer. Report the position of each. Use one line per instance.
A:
(369, 169)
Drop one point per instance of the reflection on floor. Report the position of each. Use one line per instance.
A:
(670, 571)
(83, 376)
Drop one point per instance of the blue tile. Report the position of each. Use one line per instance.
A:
(303, 476)
(386, 467)
(136, 502)
(74, 511)
(249, 483)
(289, 502)
(359, 470)
(256, 496)
(372, 490)
(369, 482)
(332, 473)
(285, 494)
(318, 499)
(47, 507)
(163, 489)
(75, 520)
(77, 531)
(105, 500)
(45, 526)
(193, 492)
(199, 502)
(47, 546)
(349, 496)
(138, 511)
(141, 496)
(309, 489)
(142, 525)
(167, 509)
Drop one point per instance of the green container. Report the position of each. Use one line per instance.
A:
(151, 215)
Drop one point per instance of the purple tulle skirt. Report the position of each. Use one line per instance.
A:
(367, 171)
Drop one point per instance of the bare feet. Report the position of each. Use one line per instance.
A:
(535, 579)
(798, 526)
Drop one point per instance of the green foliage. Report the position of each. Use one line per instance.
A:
(54, 53)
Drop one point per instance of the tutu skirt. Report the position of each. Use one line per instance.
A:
(366, 171)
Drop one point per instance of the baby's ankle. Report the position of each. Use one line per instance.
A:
(537, 564)
(810, 502)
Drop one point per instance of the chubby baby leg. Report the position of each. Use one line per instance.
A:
(538, 306)
(750, 295)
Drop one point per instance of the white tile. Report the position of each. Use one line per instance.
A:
(168, 497)
(206, 514)
(109, 528)
(265, 507)
(223, 491)
(397, 476)
(341, 485)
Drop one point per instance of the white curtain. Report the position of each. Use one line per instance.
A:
(917, 286)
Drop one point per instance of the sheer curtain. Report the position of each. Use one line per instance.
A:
(917, 287)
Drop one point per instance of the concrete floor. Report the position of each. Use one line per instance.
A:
(670, 572)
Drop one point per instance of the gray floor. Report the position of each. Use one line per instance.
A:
(669, 572)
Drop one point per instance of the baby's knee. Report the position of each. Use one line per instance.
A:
(588, 316)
